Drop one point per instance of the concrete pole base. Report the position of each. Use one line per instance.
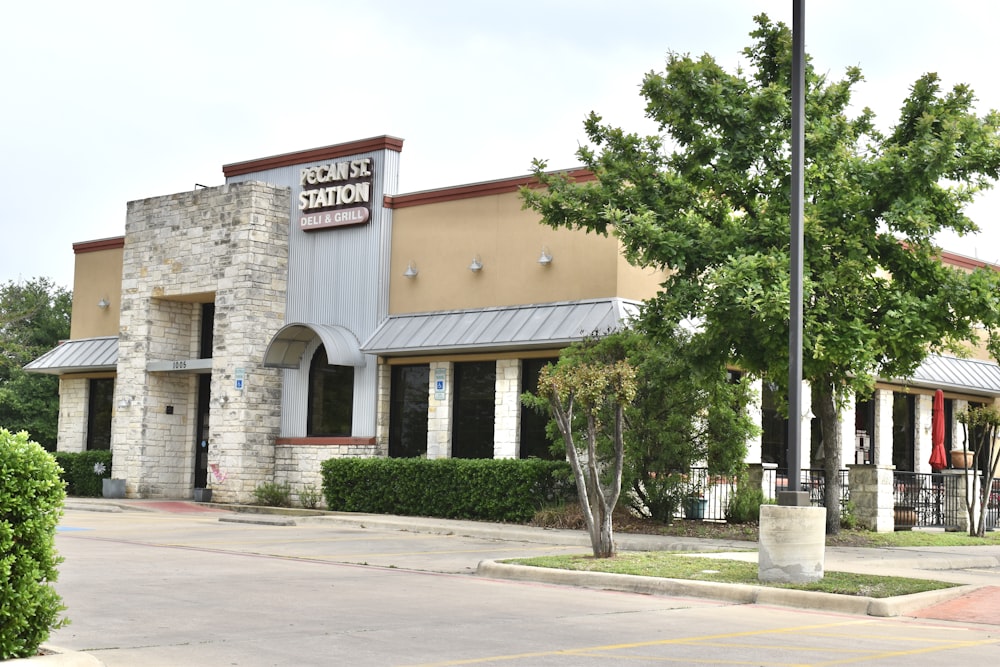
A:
(792, 544)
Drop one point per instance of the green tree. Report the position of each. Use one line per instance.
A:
(683, 414)
(34, 317)
(595, 378)
(979, 436)
(709, 200)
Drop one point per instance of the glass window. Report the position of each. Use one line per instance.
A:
(408, 404)
(534, 442)
(903, 411)
(99, 413)
(331, 397)
(474, 410)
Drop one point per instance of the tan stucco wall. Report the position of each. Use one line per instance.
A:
(442, 238)
(97, 275)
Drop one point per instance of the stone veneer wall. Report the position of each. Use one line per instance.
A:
(229, 243)
(507, 413)
(299, 465)
(73, 411)
(439, 413)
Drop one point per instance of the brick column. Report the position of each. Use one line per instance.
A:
(74, 395)
(882, 442)
(764, 476)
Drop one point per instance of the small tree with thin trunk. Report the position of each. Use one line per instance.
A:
(979, 434)
(599, 388)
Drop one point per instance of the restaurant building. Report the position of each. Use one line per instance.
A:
(306, 310)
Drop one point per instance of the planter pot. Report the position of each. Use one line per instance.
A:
(694, 508)
(113, 488)
(961, 458)
(904, 517)
(203, 495)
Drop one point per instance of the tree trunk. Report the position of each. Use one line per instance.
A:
(829, 416)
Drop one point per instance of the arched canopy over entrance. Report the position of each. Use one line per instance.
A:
(288, 345)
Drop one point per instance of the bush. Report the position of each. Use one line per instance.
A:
(744, 503)
(83, 471)
(484, 489)
(309, 496)
(272, 494)
(31, 499)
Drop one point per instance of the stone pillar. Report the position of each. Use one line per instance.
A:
(958, 491)
(507, 414)
(922, 439)
(439, 410)
(872, 497)
(882, 442)
(383, 393)
(763, 476)
(74, 397)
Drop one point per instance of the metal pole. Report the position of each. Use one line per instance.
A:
(794, 495)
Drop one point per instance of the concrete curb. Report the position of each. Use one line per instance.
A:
(60, 658)
(734, 593)
(258, 519)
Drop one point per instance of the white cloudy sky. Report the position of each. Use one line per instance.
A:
(105, 102)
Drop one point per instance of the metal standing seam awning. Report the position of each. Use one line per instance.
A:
(289, 344)
(82, 355)
(547, 325)
(952, 373)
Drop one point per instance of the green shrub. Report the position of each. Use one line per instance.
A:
(744, 503)
(31, 499)
(484, 489)
(83, 471)
(273, 494)
(309, 496)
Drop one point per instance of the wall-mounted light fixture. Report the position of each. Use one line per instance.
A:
(103, 303)
(477, 264)
(546, 257)
(125, 402)
(411, 270)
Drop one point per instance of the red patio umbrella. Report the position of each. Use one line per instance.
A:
(939, 459)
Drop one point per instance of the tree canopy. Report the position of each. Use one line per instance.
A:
(34, 317)
(708, 200)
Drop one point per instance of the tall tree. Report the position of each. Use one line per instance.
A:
(34, 317)
(708, 200)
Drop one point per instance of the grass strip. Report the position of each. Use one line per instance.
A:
(669, 565)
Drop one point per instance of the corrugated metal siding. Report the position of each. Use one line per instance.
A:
(338, 276)
(74, 356)
(538, 325)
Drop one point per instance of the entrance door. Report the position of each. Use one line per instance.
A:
(201, 442)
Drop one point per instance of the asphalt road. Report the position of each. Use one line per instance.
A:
(183, 588)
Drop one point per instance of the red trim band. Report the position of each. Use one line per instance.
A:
(335, 441)
(483, 189)
(370, 145)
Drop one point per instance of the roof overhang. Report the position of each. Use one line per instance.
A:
(84, 355)
(550, 325)
(288, 345)
(955, 374)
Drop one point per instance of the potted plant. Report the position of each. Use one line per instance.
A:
(110, 488)
(695, 502)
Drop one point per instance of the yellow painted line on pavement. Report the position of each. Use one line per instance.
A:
(856, 655)
(659, 642)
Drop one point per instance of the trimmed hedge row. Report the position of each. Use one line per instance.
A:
(79, 471)
(31, 500)
(483, 489)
